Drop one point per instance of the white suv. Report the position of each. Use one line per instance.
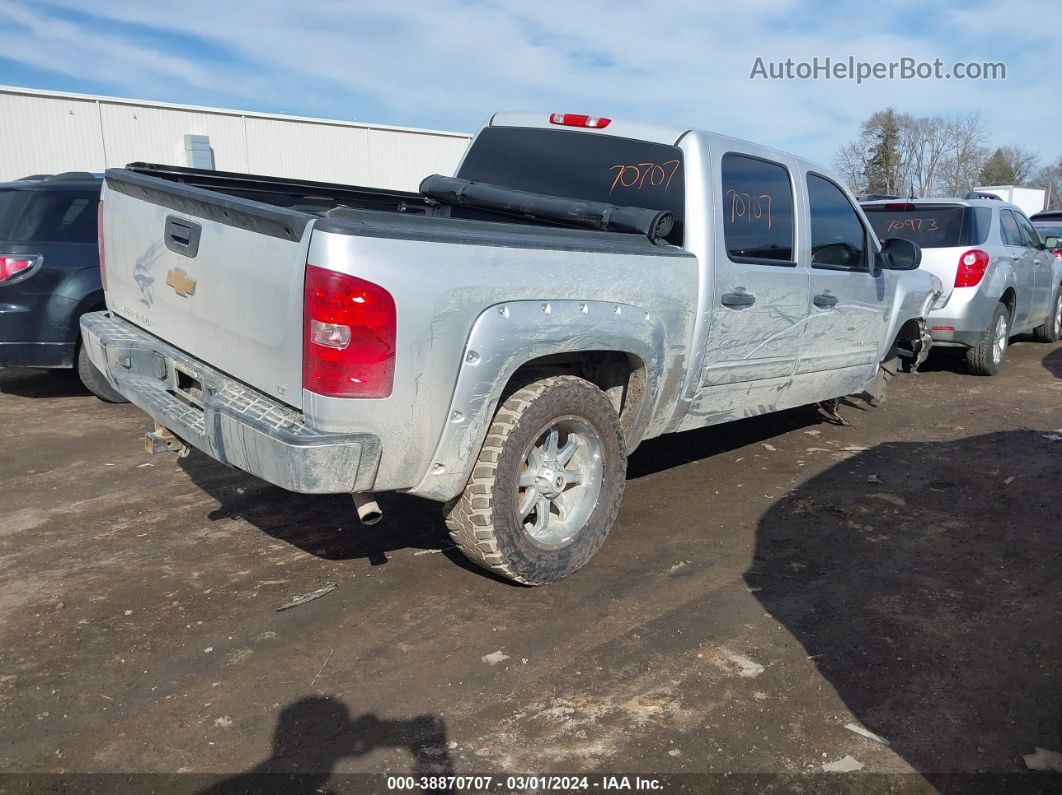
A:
(999, 279)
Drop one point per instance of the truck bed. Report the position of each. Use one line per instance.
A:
(213, 263)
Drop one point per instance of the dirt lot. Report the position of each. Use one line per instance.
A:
(767, 583)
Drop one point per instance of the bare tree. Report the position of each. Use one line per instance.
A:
(898, 153)
(928, 146)
(1022, 162)
(967, 154)
(851, 161)
(1050, 179)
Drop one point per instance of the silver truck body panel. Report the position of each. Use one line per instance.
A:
(508, 335)
(477, 300)
(442, 290)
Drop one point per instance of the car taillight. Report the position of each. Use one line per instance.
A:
(1057, 252)
(99, 241)
(972, 267)
(349, 336)
(12, 265)
(579, 120)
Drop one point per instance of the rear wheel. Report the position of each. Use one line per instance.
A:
(986, 358)
(93, 379)
(547, 485)
(1051, 330)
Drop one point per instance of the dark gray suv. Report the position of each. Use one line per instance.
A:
(50, 273)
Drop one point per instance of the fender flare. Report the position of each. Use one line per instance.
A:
(507, 336)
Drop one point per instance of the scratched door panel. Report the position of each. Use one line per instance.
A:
(761, 293)
(850, 298)
(849, 333)
(762, 340)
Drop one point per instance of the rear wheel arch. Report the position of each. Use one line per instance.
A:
(619, 374)
(619, 348)
(1009, 299)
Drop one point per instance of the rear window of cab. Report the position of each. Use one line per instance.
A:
(593, 167)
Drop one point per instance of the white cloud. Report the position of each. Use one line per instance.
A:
(449, 63)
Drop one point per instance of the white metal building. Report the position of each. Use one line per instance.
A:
(50, 131)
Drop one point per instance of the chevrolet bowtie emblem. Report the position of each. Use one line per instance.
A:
(181, 282)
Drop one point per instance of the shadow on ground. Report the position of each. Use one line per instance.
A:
(323, 525)
(1053, 363)
(326, 525)
(314, 734)
(37, 383)
(930, 601)
(676, 449)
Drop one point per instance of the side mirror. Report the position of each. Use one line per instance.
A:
(900, 255)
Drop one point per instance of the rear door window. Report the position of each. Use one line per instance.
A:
(838, 238)
(758, 216)
(49, 216)
(1031, 238)
(1009, 229)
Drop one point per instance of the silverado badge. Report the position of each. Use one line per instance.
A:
(181, 282)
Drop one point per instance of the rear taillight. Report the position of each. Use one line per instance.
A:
(1057, 252)
(972, 267)
(99, 241)
(16, 265)
(349, 336)
(579, 120)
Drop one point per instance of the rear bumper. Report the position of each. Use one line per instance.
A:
(37, 354)
(964, 319)
(237, 425)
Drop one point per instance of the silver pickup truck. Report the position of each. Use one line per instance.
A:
(503, 339)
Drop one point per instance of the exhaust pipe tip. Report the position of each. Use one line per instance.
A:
(369, 513)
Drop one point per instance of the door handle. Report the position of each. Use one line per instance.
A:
(738, 300)
(825, 301)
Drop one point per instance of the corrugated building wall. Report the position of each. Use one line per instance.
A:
(49, 132)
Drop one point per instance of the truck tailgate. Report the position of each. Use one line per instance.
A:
(217, 276)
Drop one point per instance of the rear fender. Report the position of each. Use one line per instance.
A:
(76, 294)
(507, 336)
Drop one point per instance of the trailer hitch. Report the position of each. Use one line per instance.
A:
(163, 440)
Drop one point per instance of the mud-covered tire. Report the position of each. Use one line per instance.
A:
(484, 522)
(93, 379)
(1051, 330)
(986, 358)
